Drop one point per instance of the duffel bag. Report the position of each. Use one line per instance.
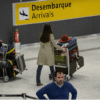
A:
(80, 61)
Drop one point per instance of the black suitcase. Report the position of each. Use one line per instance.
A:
(73, 66)
(3, 64)
(8, 69)
(80, 61)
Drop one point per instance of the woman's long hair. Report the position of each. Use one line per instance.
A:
(45, 37)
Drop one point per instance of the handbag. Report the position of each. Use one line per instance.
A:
(80, 61)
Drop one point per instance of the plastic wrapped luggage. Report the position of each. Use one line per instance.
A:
(62, 63)
(72, 47)
(59, 60)
(71, 44)
(73, 66)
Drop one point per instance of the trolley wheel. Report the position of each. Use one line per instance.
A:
(6, 79)
(13, 78)
(71, 75)
(50, 76)
(66, 79)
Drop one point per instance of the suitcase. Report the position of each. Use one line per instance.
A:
(72, 47)
(73, 66)
(20, 63)
(8, 69)
(60, 60)
(80, 61)
(3, 64)
(71, 44)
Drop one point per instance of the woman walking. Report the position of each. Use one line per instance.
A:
(46, 52)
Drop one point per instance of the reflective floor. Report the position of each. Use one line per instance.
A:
(86, 80)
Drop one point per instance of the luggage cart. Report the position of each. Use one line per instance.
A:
(7, 69)
(3, 62)
(62, 63)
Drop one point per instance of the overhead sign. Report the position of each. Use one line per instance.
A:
(53, 10)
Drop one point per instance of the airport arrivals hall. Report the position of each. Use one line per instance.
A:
(49, 49)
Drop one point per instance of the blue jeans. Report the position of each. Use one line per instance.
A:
(39, 73)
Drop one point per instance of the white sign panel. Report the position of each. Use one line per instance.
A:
(24, 13)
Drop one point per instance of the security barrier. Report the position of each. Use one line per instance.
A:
(23, 95)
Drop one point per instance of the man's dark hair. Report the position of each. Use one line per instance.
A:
(57, 72)
(45, 37)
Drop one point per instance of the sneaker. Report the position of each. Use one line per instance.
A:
(77, 68)
(39, 84)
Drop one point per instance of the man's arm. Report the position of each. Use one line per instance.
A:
(41, 92)
(73, 91)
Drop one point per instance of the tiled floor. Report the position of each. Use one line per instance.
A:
(86, 80)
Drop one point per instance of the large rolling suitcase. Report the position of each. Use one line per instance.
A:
(20, 63)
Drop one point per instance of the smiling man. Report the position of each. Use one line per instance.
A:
(58, 89)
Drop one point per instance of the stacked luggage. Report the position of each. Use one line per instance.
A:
(68, 63)
(72, 47)
(10, 63)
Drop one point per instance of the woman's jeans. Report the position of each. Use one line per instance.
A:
(39, 73)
